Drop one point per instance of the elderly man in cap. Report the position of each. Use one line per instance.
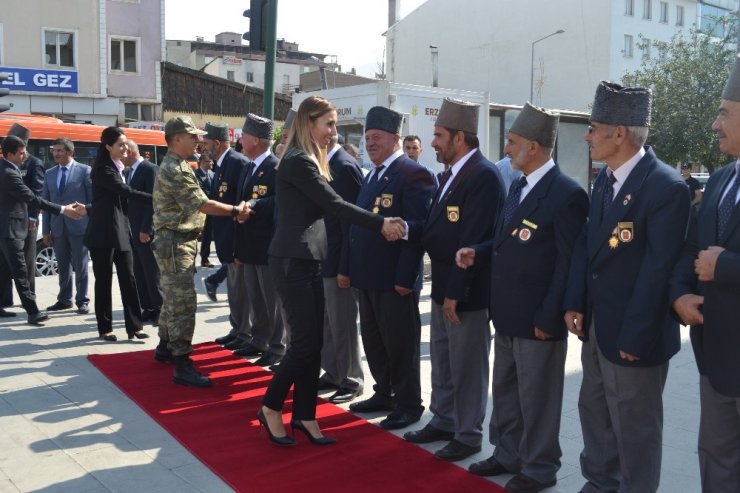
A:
(617, 295)
(389, 275)
(705, 291)
(463, 212)
(257, 186)
(228, 166)
(179, 214)
(528, 260)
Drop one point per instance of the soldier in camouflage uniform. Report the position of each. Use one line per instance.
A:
(179, 215)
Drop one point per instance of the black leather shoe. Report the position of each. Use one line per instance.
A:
(38, 318)
(488, 467)
(268, 359)
(206, 264)
(374, 404)
(344, 394)
(109, 337)
(224, 339)
(326, 384)
(399, 419)
(428, 434)
(59, 306)
(139, 334)
(524, 484)
(210, 289)
(237, 343)
(6, 314)
(455, 451)
(246, 350)
(83, 309)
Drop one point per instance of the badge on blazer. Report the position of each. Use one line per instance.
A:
(376, 205)
(223, 188)
(515, 232)
(262, 190)
(386, 200)
(627, 199)
(259, 175)
(525, 231)
(613, 241)
(453, 213)
(626, 232)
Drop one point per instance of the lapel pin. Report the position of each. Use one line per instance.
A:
(627, 199)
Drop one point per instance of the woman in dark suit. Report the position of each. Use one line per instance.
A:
(108, 236)
(299, 244)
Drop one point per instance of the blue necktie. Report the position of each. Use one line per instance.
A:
(608, 194)
(62, 180)
(724, 211)
(512, 200)
(374, 178)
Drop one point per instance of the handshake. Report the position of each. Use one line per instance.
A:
(394, 228)
(75, 211)
(244, 211)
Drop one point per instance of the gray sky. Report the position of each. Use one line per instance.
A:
(351, 29)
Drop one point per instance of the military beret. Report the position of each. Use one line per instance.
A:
(617, 105)
(258, 127)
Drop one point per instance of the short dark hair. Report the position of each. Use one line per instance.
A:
(11, 144)
(411, 138)
(63, 141)
(471, 140)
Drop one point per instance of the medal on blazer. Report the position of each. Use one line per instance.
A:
(525, 231)
(223, 188)
(626, 232)
(255, 192)
(376, 207)
(262, 190)
(613, 241)
(386, 200)
(453, 213)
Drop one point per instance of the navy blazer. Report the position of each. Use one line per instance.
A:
(33, 178)
(303, 197)
(346, 180)
(405, 190)
(530, 258)
(464, 216)
(15, 200)
(716, 348)
(252, 238)
(226, 189)
(109, 226)
(205, 180)
(77, 189)
(622, 265)
(141, 212)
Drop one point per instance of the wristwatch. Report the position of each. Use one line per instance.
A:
(234, 211)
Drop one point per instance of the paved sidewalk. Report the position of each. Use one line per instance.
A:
(66, 428)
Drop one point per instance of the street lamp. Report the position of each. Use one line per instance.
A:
(531, 76)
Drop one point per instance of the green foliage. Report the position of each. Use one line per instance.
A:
(278, 136)
(687, 76)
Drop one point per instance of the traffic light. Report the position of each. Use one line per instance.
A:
(4, 92)
(257, 34)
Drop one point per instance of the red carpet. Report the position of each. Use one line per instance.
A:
(219, 426)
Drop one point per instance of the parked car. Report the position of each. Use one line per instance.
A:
(702, 178)
(46, 261)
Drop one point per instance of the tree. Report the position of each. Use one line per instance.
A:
(687, 77)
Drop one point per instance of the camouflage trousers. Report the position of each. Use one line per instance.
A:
(176, 260)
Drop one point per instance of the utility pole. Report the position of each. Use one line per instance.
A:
(270, 55)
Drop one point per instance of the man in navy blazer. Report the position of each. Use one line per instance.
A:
(617, 296)
(257, 186)
(15, 197)
(463, 212)
(389, 275)
(705, 291)
(66, 183)
(340, 355)
(140, 176)
(228, 167)
(204, 174)
(529, 260)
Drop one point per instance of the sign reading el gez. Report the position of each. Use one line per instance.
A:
(40, 80)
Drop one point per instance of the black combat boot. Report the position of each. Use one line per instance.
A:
(186, 374)
(161, 353)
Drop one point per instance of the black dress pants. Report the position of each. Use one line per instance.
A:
(301, 289)
(103, 260)
(13, 265)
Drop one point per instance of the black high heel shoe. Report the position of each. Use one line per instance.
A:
(285, 441)
(139, 334)
(322, 440)
(110, 337)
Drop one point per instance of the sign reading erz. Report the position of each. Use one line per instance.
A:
(39, 80)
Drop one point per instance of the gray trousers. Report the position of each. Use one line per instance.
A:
(239, 306)
(527, 393)
(719, 441)
(72, 257)
(340, 354)
(459, 355)
(268, 332)
(621, 410)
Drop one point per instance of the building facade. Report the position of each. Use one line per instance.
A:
(87, 60)
(512, 48)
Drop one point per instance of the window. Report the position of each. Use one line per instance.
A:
(250, 76)
(59, 48)
(124, 55)
(679, 15)
(645, 47)
(230, 75)
(647, 9)
(138, 112)
(627, 46)
(710, 20)
(664, 12)
(629, 7)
